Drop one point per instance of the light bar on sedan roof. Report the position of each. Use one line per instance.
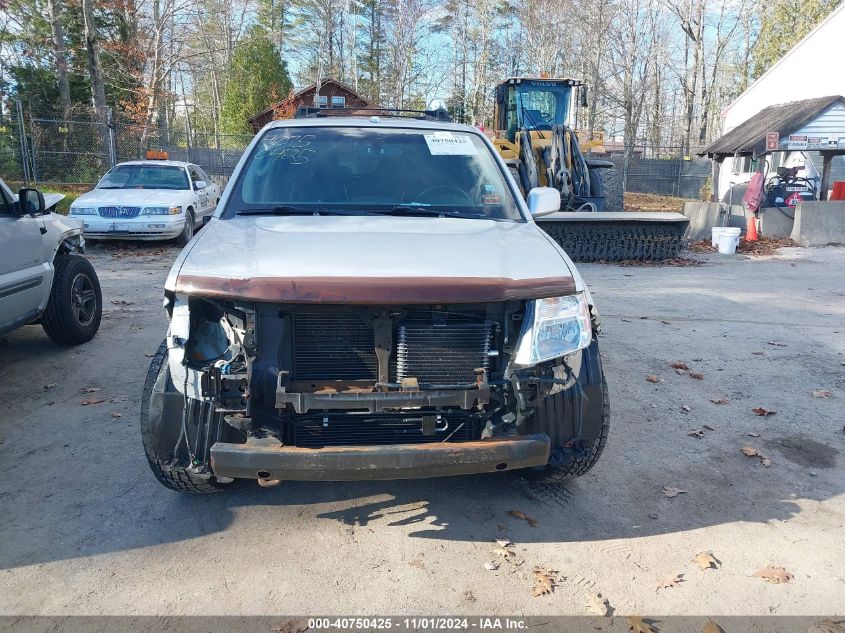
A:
(156, 154)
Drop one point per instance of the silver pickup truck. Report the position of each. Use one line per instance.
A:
(374, 300)
(43, 276)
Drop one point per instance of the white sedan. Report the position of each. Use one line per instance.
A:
(148, 200)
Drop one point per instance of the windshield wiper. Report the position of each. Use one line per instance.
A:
(290, 210)
(414, 209)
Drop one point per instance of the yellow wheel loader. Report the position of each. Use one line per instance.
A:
(535, 139)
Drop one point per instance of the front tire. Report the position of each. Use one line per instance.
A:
(572, 456)
(75, 307)
(188, 230)
(159, 437)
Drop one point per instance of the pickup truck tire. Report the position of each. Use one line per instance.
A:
(154, 436)
(187, 232)
(548, 418)
(75, 306)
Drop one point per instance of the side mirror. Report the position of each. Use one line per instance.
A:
(543, 201)
(584, 102)
(200, 184)
(31, 201)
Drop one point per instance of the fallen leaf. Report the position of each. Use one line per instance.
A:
(712, 627)
(720, 401)
(652, 378)
(596, 603)
(696, 433)
(708, 427)
(685, 408)
(776, 344)
(670, 581)
(759, 353)
(827, 626)
(121, 302)
(669, 491)
(679, 365)
(503, 543)
(519, 514)
(775, 575)
(753, 452)
(149, 355)
(116, 414)
(49, 386)
(753, 435)
(748, 450)
(91, 401)
(291, 626)
(680, 372)
(763, 412)
(696, 375)
(544, 581)
(765, 460)
(491, 565)
(822, 393)
(705, 560)
(504, 552)
(90, 389)
(637, 625)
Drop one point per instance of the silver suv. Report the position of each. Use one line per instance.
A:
(373, 299)
(43, 276)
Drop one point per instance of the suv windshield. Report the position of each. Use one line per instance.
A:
(361, 170)
(145, 177)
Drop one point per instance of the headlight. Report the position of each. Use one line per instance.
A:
(83, 210)
(554, 327)
(161, 211)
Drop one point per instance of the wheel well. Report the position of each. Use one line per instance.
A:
(70, 244)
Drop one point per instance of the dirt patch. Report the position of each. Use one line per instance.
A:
(763, 246)
(652, 202)
(804, 451)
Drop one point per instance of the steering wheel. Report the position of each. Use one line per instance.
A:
(452, 188)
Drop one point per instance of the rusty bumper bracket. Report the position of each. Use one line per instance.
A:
(272, 460)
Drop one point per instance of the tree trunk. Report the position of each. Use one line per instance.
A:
(54, 11)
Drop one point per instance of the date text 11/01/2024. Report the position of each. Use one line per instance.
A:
(417, 623)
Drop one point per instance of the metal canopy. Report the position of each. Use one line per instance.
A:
(749, 138)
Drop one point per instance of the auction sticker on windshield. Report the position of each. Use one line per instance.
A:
(448, 144)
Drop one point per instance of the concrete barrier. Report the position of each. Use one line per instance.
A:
(705, 215)
(819, 223)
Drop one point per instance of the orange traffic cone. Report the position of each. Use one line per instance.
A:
(751, 230)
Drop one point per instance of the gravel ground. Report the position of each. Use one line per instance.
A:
(87, 529)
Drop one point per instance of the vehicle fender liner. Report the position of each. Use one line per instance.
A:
(267, 458)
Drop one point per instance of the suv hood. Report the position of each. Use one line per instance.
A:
(135, 197)
(372, 259)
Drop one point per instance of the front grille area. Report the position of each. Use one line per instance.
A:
(333, 346)
(318, 431)
(119, 213)
(433, 346)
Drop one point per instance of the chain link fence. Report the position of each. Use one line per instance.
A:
(79, 152)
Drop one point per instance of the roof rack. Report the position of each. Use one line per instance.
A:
(439, 114)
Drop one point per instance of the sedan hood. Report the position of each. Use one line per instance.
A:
(135, 197)
(372, 259)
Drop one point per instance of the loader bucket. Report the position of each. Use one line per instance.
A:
(617, 236)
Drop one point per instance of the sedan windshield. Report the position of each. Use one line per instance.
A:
(361, 170)
(145, 177)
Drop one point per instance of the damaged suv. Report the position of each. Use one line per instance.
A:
(373, 300)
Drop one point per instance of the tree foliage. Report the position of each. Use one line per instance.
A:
(257, 78)
(782, 26)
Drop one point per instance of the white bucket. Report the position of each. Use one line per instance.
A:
(726, 239)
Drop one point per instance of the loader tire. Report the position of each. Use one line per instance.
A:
(157, 449)
(553, 417)
(607, 182)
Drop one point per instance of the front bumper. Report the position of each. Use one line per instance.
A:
(152, 227)
(405, 461)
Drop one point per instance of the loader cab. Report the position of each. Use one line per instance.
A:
(532, 104)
